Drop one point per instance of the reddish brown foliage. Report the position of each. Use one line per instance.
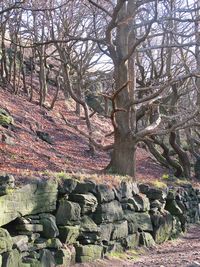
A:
(69, 151)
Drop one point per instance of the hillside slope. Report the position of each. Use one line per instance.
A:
(24, 153)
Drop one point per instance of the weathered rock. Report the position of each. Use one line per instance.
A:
(30, 199)
(53, 243)
(5, 118)
(173, 208)
(114, 246)
(12, 259)
(143, 188)
(118, 193)
(131, 219)
(67, 211)
(6, 242)
(33, 237)
(146, 240)
(88, 202)
(63, 257)
(176, 228)
(47, 259)
(138, 220)
(120, 230)
(144, 221)
(89, 231)
(50, 228)
(7, 179)
(7, 184)
(156, 193)
(69, 234)
(162, 226)
(40, 243)
(171, 194)
(131, 241)
(138, 203)
(156, 205)
(108, 212)
(88, 253)
(30, 262)
(67, 185)
(106, 231)
(85, 187)
(104, 193)
(20, 242)
(181, 205)
(128, 189)
(30, 227)
(87, 224)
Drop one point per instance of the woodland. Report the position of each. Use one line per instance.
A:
(133, 63)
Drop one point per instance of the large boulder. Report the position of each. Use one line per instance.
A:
(131, 241)
(33, 198)
(162, 226)
(176, 228)
(21, 242)
(138, 203)
(128, 189)
(146, 240)
(106, 231)
(173, 207)
(63, 257)
(120, 230)
(108, 212)
(30, 227)
(50, 229)
(157, 193)
(67, 211)
(47, 259)
(89, 231)
(176, 210)
(104, 193)
(66, 185)
(87, 202)
(69, 234)
(85, 187)
(138, 221)
(88, 253)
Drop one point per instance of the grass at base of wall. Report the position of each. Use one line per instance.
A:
(109, 179)
(132, 254)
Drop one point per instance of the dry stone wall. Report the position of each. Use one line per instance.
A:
(57, 224)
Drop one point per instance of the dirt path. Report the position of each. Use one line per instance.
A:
(177, 253)
(183, 252)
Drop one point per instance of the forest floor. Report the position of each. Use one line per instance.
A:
(27, 155)
(182, 252)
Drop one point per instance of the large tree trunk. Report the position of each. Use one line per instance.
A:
(123, 156)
